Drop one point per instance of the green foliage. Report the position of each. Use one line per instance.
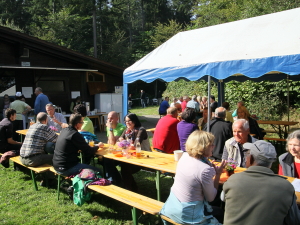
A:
(265, 99)
(208, 13)
(62, 28)
(164, 32)
(189, 88)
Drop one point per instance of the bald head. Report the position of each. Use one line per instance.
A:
(113, 117)
(42, 117)
(172, 111)
(220, 112)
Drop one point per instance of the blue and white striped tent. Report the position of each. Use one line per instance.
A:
(251, 47)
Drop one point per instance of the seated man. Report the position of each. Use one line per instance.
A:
(165, 138)
(257, 195)
(34, 148)
(233, 148)
(7, 144)
(55, 119)
(163, 106)
(69, 142)
(114, 130)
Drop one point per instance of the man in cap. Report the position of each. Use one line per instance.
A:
(257, 195)
(21, 108)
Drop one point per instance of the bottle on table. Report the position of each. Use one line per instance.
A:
(138, 149)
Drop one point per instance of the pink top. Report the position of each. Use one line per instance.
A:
(193, 180)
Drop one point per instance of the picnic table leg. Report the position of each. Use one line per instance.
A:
(33, 180)
(158, 184)
(134, 216)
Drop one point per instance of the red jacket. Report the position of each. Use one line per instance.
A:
(165, 136)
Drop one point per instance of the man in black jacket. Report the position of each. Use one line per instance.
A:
(69, 142)
(221, 129)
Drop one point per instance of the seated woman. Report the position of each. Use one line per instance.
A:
(194, 184)
(289, 162)
(87, 123)
(202, 121)
(243, 113)
(186, 126)
(135, 133)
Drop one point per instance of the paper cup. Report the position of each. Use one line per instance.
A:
(177, 154)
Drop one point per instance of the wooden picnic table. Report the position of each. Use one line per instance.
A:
(280, 127)
(164, 162)
(160, 162)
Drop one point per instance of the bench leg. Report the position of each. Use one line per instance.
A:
(58, 186)
(158, 184)
(33, 180)
(134, 216)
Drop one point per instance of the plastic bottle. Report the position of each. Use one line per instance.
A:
(138, 149)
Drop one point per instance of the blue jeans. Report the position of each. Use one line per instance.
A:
(49, 147)
(76, 169)
(143, 102)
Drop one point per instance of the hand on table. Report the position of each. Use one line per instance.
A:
(100, 144)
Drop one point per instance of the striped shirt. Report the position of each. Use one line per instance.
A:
(36, 138)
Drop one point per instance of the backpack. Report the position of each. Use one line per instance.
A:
(80, 183)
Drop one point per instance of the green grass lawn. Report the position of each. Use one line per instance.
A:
(20, 204)
(150, 110)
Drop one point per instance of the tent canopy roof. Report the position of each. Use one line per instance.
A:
(252, 47)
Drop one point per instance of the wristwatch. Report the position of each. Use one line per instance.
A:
(110, 129)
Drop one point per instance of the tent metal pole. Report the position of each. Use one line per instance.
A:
(125, 100)
(208, 104)
(288, 97)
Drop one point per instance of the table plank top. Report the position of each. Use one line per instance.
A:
(153, 160)
(285, 123)
(24, 132)
(165, 162)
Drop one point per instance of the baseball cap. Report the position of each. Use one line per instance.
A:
(262, 150)
(18, 94)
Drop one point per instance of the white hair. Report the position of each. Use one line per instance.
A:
(244, 122)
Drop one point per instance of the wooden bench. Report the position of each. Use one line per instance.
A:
(278, 143)
(273, 139)
(38, 169)
(135, 200)
(270, 131)
(169, 220)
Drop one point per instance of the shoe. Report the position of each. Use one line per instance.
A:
(70, 192)
(5, 163)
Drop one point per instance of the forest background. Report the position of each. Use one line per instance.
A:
(127, 30)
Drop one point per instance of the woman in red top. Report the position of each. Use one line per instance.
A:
(290, 161)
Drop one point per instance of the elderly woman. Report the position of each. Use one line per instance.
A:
(243, 113)
(290, 161)
(194, 185)
(186, 126)
(136, 133)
